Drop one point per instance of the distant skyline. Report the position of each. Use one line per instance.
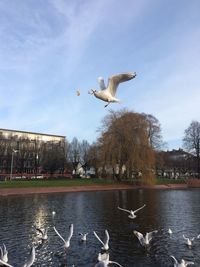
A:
(50, 49)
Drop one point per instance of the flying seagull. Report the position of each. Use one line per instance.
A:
(132, 212)
(67, 241)
(144, 241)
(29, 262)
(105, 244)
(182, 263)
(188, 240)
(104, 260)
(107, 94)
(4, 253)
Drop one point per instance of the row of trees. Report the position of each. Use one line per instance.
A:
(130, 145)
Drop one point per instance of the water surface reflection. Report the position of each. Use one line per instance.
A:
(89, 211)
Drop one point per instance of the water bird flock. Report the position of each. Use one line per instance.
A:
(103, 257)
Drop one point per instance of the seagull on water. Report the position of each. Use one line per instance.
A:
(105, 244)
(188, 240)
(170, 231)
(144, 241)
(3, 253)
(67, 241)
(83, 236)
(107, 94)
(132, 212)
(43, 233)
(29, 262)
(182, 263)
(104, 260)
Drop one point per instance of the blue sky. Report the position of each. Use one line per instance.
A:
(51, 48)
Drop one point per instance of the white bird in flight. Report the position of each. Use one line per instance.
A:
(67, 241)
(104, 260)
(132, 212)
(105, 244)
(29, 262)
(182, 263)
(188, 240)
(144, 241)
(107, 94)
(4, 253)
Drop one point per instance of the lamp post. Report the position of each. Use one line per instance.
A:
(11, 167)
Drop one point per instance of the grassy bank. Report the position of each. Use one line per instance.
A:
(75, 182)
(53, 183)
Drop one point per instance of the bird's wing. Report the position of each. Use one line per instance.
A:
(5, 263)
(198, 236)
(114, 262)
(175, 260)
(150, 235)
(40, 230)
(71, 230)
(115, 80)
(59, 234)
(107, 236)
(185, 237)
(124, 210)
(98, 238)
(31, 258)
(139, 235)
(140, 208)
(4, 249)
(1, 253)
(101, 83)
(189, 263)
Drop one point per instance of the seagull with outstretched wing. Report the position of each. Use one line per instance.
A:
(132, 212)
(4, 253)
(30, 260)
(144, 240)
(107, 94)
(67, 241)
(182, 263)
(188, 240)
(106, 242)
(104, 260)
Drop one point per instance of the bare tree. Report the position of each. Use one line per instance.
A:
(84, 150)
(154, 131)
(191, 142)
(74, 153)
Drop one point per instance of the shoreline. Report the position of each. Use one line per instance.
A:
(90, 188)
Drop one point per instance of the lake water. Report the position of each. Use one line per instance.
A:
(97, 211)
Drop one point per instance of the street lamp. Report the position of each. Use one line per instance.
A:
(11, 167)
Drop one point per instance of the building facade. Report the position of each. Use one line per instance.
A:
(25, 153)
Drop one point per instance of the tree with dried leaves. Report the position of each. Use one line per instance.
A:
(126, 145)
(191, 142)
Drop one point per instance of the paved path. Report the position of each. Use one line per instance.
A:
(43, 190)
